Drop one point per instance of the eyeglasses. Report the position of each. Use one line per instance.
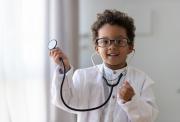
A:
(105, 42)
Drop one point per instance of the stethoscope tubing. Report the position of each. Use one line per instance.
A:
(88, 109)
(52, 45)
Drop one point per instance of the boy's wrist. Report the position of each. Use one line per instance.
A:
(68, 68)
(61, 69)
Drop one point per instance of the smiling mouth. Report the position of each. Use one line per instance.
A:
(113, 54)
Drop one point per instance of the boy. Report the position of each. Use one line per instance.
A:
(132, 99)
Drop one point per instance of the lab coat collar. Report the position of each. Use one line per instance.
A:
(109, 71)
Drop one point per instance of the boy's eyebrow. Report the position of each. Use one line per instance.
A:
(116, 37)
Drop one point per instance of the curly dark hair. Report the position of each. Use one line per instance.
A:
(114, 17)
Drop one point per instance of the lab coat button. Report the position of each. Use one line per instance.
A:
(113, 97)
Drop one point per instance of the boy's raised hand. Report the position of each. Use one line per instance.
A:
(126, 92)
(56, 54)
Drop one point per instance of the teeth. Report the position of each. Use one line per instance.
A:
(113, 54)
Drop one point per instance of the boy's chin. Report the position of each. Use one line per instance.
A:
(114, 63)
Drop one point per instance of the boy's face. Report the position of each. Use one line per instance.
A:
(113, 56)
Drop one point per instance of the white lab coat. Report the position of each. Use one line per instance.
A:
(85, 88)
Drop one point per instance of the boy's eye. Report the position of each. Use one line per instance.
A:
(118, 41)
(105, 41)
(102, 42)
(121, 42)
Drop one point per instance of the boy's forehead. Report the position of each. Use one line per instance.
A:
(114, 31)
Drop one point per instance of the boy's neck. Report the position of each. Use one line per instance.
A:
(116, 67)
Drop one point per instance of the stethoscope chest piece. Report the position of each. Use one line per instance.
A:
(52, 44)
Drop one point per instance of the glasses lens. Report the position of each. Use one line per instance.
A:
(103, 42)
(121, 42)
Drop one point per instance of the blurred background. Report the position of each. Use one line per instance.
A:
(26, 26)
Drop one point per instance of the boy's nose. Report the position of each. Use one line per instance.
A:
(112, 42)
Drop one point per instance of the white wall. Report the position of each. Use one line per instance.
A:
(157, 45)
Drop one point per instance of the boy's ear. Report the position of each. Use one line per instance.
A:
(131, 49)
(96, 49)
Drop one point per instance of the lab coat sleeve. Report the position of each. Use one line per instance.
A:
(69, 93)
(142, 107)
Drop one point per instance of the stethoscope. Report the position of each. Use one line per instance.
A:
(52, 45)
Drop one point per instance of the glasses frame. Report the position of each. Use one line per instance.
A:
(114, 42)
